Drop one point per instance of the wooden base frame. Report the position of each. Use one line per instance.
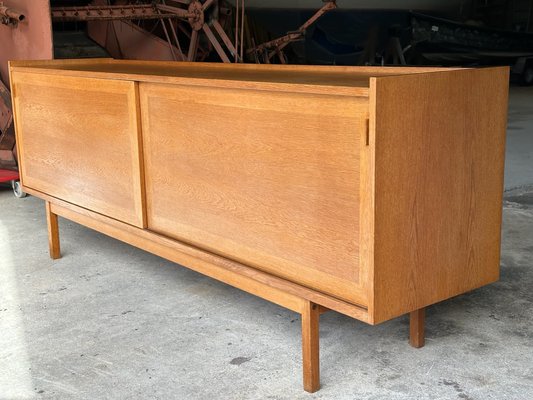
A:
(53, 232)
(309, 310)
(417, 328)
(310, 347)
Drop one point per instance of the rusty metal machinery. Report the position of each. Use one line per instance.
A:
(7, 133)
(9, 16)
(190, 18)
(191, 28)
(185, 30)
(199, 23)
(263, 53)
(204, 17)
(114, 12)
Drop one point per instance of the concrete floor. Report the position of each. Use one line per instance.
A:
(519, 155)
(108, 321)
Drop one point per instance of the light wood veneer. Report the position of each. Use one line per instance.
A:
(374, 192)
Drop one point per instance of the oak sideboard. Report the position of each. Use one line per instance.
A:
(371, 191)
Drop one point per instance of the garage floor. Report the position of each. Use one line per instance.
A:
(108, 321)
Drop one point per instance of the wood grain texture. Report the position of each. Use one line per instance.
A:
(234, 71)
(233, 273)
(310, 347)
(417, 327)
(78, 141)
(350, 81)
(267, 179)
(439, 161)
(370, 191)
(247, 174)
(50, 64)
(366, 210)
(53, 232)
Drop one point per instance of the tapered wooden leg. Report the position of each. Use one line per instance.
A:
(310, 347)
(416, 328)
(53, 233)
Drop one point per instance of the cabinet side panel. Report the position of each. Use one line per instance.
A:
(265, 178)
(78, 141)
(440, 141)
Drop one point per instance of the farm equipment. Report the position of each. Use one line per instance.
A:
(12, 177)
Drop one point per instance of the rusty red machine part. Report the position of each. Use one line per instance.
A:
(186, 18)
(189, 30)
(8, 150)
(10, 16)
(19, 39)
(263, 53)
(7, 133)
(13, 178)
(189, 19)
(113, 12)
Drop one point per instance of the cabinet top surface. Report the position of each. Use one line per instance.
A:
(341, 79)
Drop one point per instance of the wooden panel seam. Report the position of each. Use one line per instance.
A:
(139, 158)
(367, 202)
